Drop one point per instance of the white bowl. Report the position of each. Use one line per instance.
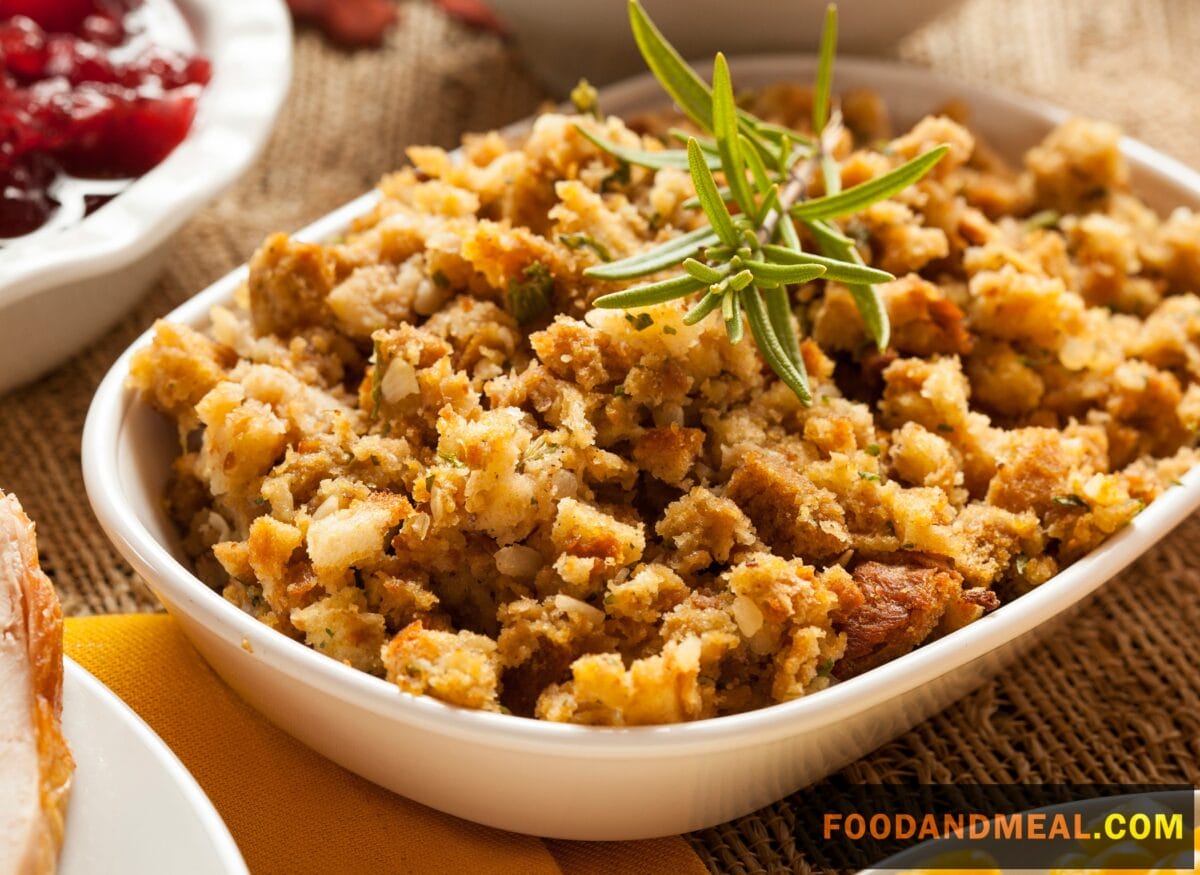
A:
(572, 781)
(560, 42)
(61, 288)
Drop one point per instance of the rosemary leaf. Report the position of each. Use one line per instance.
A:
(831, 174)
(731, 312)
(779, 312)
(729, 143)
(653, 260)
(824, 86)
(702, 272)
(693, 203)
(870, 307)
(650, 293)
(866, 297)
(841, 271)
(685, 87)
(827, 234)
(870, 192)
(703, 307)
(655, 160)
(774, 274)
(791, 373)
(770, 202)
(710, 201)
(758, 170)
(681, 136)
(739, 281)
(782, 136)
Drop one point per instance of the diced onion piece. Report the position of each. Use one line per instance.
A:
(749, 618)
(218, 523)
(399, 381)
(328, 506)
(519, 561)
(575, 606)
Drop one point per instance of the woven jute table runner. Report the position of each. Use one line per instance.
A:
(1114, 698)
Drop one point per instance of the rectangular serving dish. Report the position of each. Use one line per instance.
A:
(583, 782)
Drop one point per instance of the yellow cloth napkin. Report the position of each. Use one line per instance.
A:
(293, 811)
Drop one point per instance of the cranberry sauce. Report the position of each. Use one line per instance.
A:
(100, 89)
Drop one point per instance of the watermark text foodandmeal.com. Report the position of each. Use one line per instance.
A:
(1030, 826)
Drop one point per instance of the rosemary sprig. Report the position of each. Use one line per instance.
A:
(743, 261)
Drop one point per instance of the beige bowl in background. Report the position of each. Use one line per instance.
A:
(580, 782)
(562, 41)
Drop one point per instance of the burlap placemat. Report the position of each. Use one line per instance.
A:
(1115, 698)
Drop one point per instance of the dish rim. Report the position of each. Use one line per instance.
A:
(111, 407)
(250, 45)
(96, 691)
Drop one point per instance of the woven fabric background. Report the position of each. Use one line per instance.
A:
(1115, 698)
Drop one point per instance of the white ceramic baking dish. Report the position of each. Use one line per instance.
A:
(572, 781)
(61, 288)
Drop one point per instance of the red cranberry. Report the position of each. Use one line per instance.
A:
(25, 202)
(23, 47)
(103, 29)
(58, 16)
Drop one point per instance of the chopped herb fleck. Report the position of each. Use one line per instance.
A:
(873, 449)
(669, 329)
(412, 671)
(451, 459)
(826, 669)
(260, 501)
(1042, 219)
(1071, 500)
(578, 241)
(944, 428)
(440, 279)
(619, 177)
(1176, 482)
(585, 98)
(329, 632)
(907, 545)
(377, 381)
(868, 475)
(640, 322)
(620, 391)
(529, 299)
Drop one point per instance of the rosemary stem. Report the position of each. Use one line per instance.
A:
(797, 184)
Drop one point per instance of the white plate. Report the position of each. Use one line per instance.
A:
(580, 782)
(134, 809)
(61, 289)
